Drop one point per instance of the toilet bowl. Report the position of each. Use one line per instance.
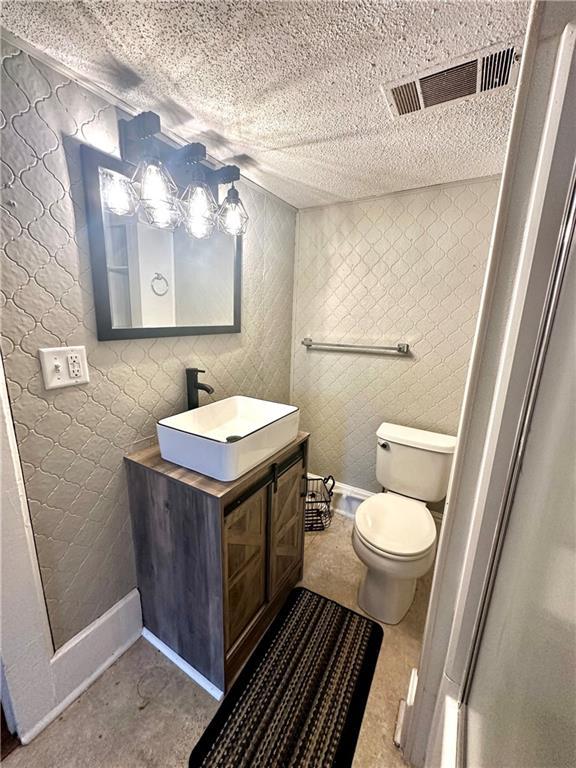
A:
(395, 538)
(394, 533)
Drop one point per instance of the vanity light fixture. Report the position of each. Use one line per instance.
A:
(156, 184)
(232, 216)
(199, 211)
(157, 195)
(156, 190)
(199, 208)
(164, 215)
(117, 193)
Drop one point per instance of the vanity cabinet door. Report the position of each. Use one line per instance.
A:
(286, 526)
(244, 564)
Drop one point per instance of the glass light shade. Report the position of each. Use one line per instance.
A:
(199, 210)
(116, 193)
(232, 216)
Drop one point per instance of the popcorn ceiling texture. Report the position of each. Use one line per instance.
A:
(407, 267)
(293, 88)
(72, 441)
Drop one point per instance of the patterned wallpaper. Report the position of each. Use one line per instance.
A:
(407, 267)
(72, 440)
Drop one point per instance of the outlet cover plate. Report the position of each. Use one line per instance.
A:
(64, 366)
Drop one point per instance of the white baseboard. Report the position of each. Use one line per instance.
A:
(79, 662)
(347, 498)
(188, 669)
(400, 737)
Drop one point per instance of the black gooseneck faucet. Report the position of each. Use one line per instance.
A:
(193, 386)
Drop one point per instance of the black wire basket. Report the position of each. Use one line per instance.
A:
(317, 509)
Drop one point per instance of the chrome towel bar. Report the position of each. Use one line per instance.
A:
(401, 349)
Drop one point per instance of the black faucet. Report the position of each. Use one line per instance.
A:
(193, 386)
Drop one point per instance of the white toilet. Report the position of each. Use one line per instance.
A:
(394, 532)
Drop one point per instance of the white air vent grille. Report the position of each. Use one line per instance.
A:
(469, 75)
(449, 84)
(406, 98)
(496, 69)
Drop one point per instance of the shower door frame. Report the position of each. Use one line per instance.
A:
(442, 725)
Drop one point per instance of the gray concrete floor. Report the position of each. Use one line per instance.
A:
(144, 712)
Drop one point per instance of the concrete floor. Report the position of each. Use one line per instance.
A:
(144, 711)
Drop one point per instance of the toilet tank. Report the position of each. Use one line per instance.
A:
(414, 462)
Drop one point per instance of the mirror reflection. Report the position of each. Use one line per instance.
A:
(159, 277)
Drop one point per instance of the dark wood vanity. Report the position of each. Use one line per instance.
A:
(216, 560)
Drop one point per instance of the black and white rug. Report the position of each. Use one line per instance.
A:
(300, 699)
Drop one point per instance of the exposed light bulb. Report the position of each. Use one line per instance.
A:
(156, 184)
(117, 194)
(232, 220)
(164, 215)
(199, 228)
(232, 216)
(199, 210)
(200, 202)
(157, 193)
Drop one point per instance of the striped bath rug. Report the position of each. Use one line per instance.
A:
(300, 699)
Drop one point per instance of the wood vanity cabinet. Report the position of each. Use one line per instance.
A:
(215, 561)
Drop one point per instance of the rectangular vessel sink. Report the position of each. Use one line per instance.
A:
(224, 440)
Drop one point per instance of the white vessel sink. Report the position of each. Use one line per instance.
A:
(228, 438)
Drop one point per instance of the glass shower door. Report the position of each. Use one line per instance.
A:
(521, 706)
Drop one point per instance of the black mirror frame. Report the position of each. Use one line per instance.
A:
(91, 160)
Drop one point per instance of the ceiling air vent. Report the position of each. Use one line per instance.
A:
(406, 98)
(469, 75)
(496, 69)
(449, 84)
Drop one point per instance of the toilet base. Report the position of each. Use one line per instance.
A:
(389, 583)
(387, 599)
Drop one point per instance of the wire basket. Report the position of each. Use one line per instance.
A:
(317, 509)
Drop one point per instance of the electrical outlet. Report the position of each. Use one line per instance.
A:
(74, 365)
(64, 366)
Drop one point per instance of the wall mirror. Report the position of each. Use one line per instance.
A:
(152, 281)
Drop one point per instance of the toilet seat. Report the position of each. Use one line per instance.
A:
(388, 555)
(395, 526)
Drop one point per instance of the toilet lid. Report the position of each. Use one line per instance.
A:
(396, 524)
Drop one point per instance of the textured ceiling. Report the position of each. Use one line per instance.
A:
(291, 90)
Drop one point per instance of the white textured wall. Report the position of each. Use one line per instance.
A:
(72, 441)
(407, 267)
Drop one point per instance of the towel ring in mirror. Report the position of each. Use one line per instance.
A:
(159, 284)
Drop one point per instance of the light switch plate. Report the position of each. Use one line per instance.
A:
(64, 366)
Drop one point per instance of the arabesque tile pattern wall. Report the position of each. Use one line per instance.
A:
(406, 267)
(72, 441)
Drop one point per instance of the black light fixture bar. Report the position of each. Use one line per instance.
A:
(141, 127)
(189, 153)
(137, 133)
(140, 139)
(226, 175)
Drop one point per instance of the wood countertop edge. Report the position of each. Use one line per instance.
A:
(150, 459)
